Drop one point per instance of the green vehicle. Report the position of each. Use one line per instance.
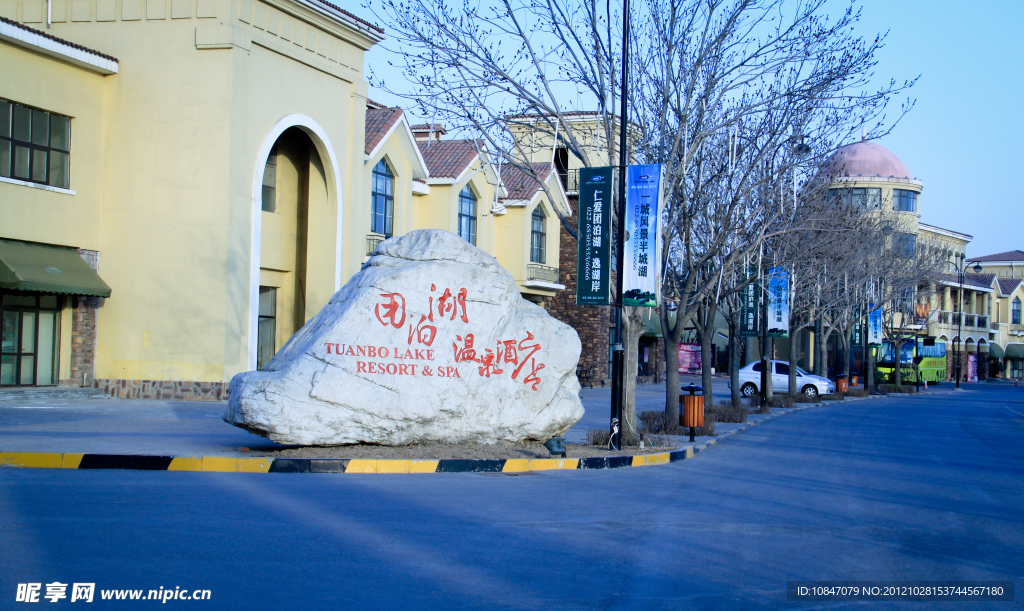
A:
(932, 367)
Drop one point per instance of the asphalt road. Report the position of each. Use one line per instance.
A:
(919, 488)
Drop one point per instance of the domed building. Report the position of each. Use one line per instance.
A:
(869, 176)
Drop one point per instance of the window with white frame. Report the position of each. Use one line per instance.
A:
(1015, 311)
(904, 200)
(467, 215)
(382, 213)
(538, 236)
(35, 145)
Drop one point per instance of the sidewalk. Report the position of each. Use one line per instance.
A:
(169, 428)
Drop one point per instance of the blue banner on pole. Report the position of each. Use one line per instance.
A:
(641, 284)
(875, 326)
(778, 302)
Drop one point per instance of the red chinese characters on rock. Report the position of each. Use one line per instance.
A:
(510, 352)
(422, 332)
(391, 311)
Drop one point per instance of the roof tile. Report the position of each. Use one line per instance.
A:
(520, 183)
(1010, 255)
(378, 123)
(1008, 285)
(449, 158)
(60, 40)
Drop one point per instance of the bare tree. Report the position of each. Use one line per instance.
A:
(724, 93)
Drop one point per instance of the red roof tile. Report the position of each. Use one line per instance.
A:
(60, 40)
(984, 280)
(520, 184)
(378, 123)
(1008, 285)
(375, 105)
(1010, 255)
(428, 127)
(449, 158)
(344, 12)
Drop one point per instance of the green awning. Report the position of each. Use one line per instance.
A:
(27, 266)
(1015, 351)
(995, 351)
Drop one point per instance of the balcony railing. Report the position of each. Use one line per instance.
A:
(943, 318)
(570, 180)
(542, 273)
(970, 320)
(372, 242)
(993, 326)
(982, 322)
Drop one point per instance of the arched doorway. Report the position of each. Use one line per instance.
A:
(296, 247)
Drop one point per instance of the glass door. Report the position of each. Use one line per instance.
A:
(29, 340)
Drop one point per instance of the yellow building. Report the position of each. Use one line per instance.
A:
(203, 175)
(1005, 274)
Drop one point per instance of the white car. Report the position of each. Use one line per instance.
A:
(809, 384)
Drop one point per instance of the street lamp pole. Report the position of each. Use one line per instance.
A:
(961, 271)
(959, 315)
(618, 352)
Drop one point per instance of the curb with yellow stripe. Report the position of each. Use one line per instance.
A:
(221, 464)
(224, 464)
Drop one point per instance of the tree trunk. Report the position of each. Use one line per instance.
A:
(817, 346)
(794, 354)
(870, 378)
(844, 366)
(824, 350)
(632, 329)
(734, 363)
(707, 334)
(672, 335)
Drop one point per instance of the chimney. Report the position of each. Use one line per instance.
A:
(428, 132)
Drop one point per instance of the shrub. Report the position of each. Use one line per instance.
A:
(598, 437)
(802, 398)
(833, 397)
(886, 389)
(727, 413)
(658, 423)
(857, 392)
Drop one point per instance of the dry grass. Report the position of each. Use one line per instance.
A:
(728, 413)
(892, 388)
(598, 437)
(658, 424)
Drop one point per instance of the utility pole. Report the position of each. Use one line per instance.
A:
(618, 352)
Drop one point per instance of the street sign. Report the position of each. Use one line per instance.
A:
(778, 302)
(593, 262)
(641, 284)
(749, 319)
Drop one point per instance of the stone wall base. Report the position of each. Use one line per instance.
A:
(164, 390)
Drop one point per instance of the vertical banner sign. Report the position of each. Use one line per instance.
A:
(857, 332)
(748, 305)
(778, 302)
(593, 261)
(874, 325)
(641, 285)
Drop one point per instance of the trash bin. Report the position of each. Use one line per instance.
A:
(692, 414)
(854, 380)
(841, 385)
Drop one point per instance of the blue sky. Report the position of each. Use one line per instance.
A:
(965, 134)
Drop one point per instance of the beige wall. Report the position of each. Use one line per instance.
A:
(164, 156)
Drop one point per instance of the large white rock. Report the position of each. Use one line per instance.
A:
(429, 342)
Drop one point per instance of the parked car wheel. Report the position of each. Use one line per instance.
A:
(810, 390)
(748, 390)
